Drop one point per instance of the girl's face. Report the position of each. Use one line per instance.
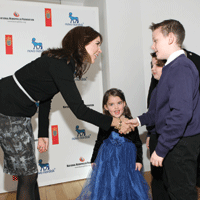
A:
(156, 70)
(115, 106)
(93, 49)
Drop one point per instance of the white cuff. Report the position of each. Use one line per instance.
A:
(138, 121)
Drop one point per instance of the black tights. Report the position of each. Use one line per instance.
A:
(27, 188)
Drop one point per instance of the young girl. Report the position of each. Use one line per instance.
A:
(116, 159)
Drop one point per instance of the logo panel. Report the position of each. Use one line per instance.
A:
(9, 44)
(37, 46)
(81, 134)
(45, 168)
(48, 17)
(54, 130)
(74, 20)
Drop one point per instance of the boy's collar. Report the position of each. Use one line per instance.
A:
(174, 55)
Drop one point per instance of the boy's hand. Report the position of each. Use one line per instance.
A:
(133, 122)
(138, 166)
(156, 160)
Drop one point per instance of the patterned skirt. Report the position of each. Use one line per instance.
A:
(17, 143)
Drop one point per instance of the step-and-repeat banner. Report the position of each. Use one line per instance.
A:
(27, 29)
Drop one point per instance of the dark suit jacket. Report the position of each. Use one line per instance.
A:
(192, 56)
(196, 60)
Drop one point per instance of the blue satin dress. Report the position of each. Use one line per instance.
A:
(114, 176)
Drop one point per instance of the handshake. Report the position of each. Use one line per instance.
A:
(125, 125)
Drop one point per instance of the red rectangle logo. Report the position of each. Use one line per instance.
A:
(48, 17)
(9, 44)
(55, 138)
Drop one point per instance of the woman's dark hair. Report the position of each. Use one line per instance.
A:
(73, 46)
(116, 93)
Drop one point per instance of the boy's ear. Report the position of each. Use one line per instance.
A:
(171, 37)
(105, 107)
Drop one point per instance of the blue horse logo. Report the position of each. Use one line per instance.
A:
(37, 45)
(80, 132)
(73, 19)
(43, 166)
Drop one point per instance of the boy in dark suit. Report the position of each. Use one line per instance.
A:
(196, 60)
(177, 113)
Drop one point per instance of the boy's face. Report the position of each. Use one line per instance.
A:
(160, 44)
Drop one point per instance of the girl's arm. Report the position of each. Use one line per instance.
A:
(135, 138)
(102, 135)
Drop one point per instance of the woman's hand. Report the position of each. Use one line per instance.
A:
(138, 166)
(125, 128)
(43, 144)
(122, 125)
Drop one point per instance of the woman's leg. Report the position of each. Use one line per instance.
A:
(27, 188)
(17, 142)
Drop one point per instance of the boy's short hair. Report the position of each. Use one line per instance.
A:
(171, 26)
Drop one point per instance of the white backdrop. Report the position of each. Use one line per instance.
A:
(70, 159)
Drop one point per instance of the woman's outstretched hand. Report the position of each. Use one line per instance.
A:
(125, 127)
(43, 144)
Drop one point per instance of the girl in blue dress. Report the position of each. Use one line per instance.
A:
(117, 159)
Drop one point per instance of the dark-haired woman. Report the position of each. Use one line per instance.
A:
(39, 81)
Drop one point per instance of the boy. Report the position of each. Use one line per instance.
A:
(177, 113)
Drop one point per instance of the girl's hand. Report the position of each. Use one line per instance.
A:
(147, 142)
(43, 144)
(138, 166)
(93, 165)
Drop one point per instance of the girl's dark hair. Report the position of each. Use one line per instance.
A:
(116, 93)
(73, 46)
(154, 82)
(160, 63)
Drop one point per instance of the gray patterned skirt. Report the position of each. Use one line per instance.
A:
(17, 143)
